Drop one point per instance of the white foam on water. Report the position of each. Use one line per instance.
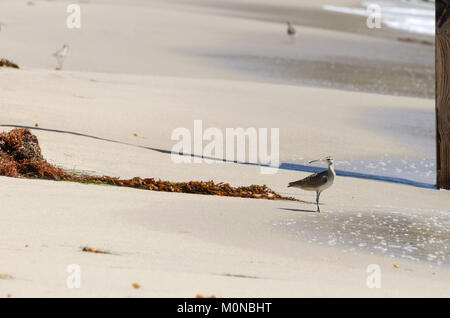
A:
(415, 17)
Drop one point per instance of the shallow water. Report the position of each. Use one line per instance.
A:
(416, 170)
(395, 234)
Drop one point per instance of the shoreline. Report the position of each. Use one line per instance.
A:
(240, 48)
(283, 165)
(363, 76)
(307, 14)
(395, 155)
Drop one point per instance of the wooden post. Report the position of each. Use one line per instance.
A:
(443, 93)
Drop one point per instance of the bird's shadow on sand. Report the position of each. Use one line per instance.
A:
(298, 210)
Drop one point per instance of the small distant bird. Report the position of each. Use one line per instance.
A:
(290, 30)
(317, 181)
(61, 55)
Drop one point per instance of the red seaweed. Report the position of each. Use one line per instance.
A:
(21, 157)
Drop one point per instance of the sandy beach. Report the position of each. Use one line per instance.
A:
(136, 70)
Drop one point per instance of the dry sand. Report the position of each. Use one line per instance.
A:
(182, 245)
(116, 85)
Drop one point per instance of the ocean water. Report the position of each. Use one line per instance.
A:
(412, 16)
(415, 171)
(390, 231)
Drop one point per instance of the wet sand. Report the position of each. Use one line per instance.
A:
(331, 49)
(337, 72)
(383, 230)
(305, 13)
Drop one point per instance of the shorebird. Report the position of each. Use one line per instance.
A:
(290, 30)
(317, 181)
(60, 55)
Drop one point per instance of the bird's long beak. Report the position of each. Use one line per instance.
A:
(315, 160)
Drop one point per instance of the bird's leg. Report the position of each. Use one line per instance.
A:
(317, 200)
(59, 62)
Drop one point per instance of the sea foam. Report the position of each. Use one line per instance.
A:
(415, 17)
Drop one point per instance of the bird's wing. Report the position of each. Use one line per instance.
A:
(313, 181)
(59, 52)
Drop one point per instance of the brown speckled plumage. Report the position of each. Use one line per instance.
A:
(318, 182)
(311, 182)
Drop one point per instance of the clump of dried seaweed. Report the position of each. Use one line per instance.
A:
(198, 187)
(7, 63)
(94, 250)
(6, 276)
(20, 156)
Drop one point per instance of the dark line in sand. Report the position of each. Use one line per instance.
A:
(359, 175)
(283, 165)
(298, 210)
(239, 276)
(87, 136)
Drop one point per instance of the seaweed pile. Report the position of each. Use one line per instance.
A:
(7, 63)
(21, 157)
(198, 187)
